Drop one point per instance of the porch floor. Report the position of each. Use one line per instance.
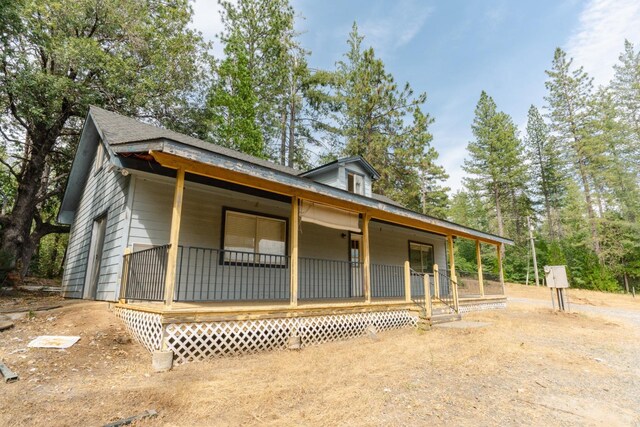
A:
(244, 310)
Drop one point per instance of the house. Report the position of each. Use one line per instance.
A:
(206, 251)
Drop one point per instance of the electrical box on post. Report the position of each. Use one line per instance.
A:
(555, 277)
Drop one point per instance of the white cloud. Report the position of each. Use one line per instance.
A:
(206, 19)
(395, 26)
(599, 38)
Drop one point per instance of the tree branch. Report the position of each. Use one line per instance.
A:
(10, 167)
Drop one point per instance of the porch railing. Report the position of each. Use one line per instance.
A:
(387, 281)
(205, 274)
(444, 291)
(144, 274)
(329, 279)
(418, 292)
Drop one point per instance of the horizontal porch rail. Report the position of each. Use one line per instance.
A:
(387, 281)
(144, 274)
(329, 279)
(205, 274)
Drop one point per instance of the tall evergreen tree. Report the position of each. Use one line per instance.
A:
(385, 124)
(496, 164)
(546, 169)
(569, 95)
(246, 100)
(626, 91)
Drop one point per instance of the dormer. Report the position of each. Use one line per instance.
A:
(353, 174)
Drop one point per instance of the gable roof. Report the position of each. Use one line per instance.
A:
(336, 163)
(123, 135)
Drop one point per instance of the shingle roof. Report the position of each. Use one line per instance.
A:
(117, 129)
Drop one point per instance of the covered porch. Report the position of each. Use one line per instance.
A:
(317, 282)
(361, 264)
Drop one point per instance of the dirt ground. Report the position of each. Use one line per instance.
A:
(529, 366)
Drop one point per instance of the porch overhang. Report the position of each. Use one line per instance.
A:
(199, 161)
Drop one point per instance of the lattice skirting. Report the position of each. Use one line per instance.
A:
(146, 328)
(479, 306)
(194, 341)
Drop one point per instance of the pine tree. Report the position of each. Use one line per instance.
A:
(246, 101)
(569, 94)
(385, 124)
(626, 91)
(546, 169)
(496, 165)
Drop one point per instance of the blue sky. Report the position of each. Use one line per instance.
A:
(452, 50)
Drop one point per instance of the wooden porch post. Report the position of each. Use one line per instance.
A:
(407, 281)
(480, 274)
(174, 237)
(453, 279)
(293, 248)
(436, 280)
(125, 275)
(427, 295)
(452, 261)
(499, 251)
(366, 257)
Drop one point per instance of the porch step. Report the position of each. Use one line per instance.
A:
(444, 318)
(441, 311)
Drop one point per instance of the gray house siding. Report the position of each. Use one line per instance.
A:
(390, 244)
(104, 192)
(337, 177)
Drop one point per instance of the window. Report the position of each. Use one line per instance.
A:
(355, 183)
(250, 238)
(421, 257)
(101, 158)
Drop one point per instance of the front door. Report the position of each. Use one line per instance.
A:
(95, 257)
(355, 257)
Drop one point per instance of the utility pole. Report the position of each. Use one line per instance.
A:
(533, 251)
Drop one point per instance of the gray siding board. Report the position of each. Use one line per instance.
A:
(104, 191)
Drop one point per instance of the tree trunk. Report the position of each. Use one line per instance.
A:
(15, 234)
(283, 136)
(626, 282)
(590, 212)
(499, 218)
(292, 128)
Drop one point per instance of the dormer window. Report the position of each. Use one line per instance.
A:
(355, 183)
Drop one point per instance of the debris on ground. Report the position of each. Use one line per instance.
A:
(53, 341)
(126, 421)
(8, 374)
(5, 322)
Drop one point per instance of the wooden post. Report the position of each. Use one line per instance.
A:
(366, 257)
(125, 276)
(293, 248)
(452, 260)
(407, 281)
(436, 281)
(499, 251)
(453, 279)
(480, 274)
(427, 295)
(174, 237)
